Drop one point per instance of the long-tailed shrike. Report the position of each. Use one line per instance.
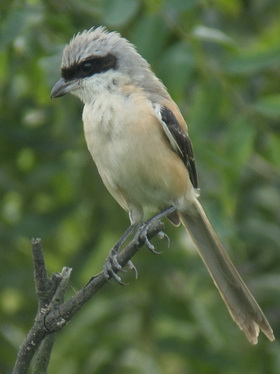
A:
(139, 142)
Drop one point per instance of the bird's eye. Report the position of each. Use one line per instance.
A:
(87, 67)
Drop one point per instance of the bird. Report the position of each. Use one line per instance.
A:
(139, 142)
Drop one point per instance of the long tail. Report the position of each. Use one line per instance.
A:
(241, 304)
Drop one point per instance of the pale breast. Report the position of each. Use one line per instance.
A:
(131, 151)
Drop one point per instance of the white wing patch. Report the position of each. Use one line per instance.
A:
(178, 138)
(157, 108)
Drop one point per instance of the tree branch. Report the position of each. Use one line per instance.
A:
(45, 287)
(50, 293)
(53, 313)
(65, 312)
(44, 352)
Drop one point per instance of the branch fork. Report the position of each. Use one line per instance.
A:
(53, 312)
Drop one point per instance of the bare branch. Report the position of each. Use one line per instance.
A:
(43, 355)
(50, 293)
(42, 359)
(57, 318)
(53, 313)
(45, 287)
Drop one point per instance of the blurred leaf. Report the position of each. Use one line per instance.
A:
(180, 5)
(153, 5)
(240, 142)
(150, 34)
(269, 106)
(176, 66)
(211, 35)
(273, 145)
(117, 13)
(239, 147)
(143, 361)
(230, 7)
(14, 25)
(12, 207)
(253, 62)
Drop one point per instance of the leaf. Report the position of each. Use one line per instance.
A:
(211, 35)
(15, 24)
(150, 35)
(117, 13)
(240, 141)
(176, 66)
(269, 106)
(181, 5)
(254, 62)
(12, 27)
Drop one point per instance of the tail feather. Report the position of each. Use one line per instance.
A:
(241, 304)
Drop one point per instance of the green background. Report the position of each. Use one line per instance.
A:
(220, 60)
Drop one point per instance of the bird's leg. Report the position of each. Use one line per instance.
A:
(143, 229)
(111, 263)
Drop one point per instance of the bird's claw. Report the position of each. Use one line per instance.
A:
(131, 266)
(143, 235)
(162, 235)
(112, 265)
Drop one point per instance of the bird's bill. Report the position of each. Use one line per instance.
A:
(62, 87)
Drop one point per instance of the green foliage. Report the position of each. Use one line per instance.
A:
(220, 61)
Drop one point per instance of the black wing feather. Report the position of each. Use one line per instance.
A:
(182, 141)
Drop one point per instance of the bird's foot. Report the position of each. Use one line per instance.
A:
(112, 266)
(142, 234)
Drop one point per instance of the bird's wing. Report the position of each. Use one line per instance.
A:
(178, 138)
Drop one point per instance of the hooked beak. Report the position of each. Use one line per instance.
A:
(63, 87)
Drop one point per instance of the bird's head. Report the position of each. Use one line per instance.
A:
(97, 60)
